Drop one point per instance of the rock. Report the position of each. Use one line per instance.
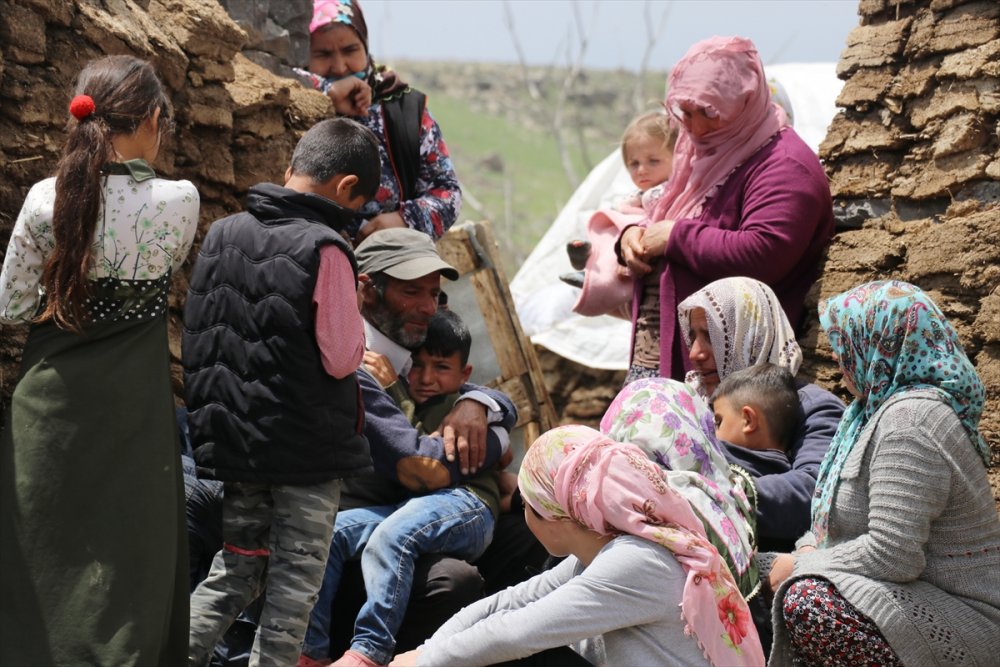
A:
(981, 61)
(961, 132)
(873, 46)
(853, 213)
(866, 86)
(850, 138)
(968, 25)
(944, 101)
(923, 209)
(941, 177)
(862, 176)
(987, 325)
(914, 78)
(23, 30)
(493, 163)
(868, 8)
(957, 247)
(867, 250)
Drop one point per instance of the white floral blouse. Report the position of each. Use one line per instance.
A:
(144, 232)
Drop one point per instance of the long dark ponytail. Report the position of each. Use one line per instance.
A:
(125, 92)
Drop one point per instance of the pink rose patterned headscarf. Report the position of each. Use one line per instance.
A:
(724, 76)
(574, 472)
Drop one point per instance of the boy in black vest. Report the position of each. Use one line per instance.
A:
(272, 339)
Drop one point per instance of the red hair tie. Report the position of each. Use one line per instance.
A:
(81, 106)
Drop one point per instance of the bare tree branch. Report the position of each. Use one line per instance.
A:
(572, 76)
(508, 19)
(653, 36)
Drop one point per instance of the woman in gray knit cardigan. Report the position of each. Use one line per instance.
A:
(902, 564)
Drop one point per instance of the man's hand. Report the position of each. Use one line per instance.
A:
(633, 251)
(380, 368)
(382, 221)
(464, 431)
(654, 241)
(350, 96)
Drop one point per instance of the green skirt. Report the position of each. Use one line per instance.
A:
(93, 547)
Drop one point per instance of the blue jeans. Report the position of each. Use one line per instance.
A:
(388, 539)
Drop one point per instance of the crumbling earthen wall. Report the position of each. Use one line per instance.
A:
(914, 166)
(236, 122)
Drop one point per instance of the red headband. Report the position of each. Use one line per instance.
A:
(81, 106)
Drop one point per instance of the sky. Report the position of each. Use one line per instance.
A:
(784, 31)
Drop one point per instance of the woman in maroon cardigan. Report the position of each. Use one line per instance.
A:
(747, 198)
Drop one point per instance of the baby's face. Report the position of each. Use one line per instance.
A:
(433, 375)
(649, 161)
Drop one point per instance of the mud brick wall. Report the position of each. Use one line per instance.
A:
(237, 123)
(914, 166)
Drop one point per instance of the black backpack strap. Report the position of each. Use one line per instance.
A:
(403, 115)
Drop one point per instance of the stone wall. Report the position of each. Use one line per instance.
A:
(277, 31)
(914, 166)
(236, 122)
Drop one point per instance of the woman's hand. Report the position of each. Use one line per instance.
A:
(654, 241)
(408, 659)
(350, 96)
(781, 569)
(633, 252)
(383, 221)
(380, 368)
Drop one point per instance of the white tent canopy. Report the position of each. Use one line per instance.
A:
(544, 303)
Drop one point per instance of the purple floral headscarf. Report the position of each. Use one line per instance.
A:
(675, 428)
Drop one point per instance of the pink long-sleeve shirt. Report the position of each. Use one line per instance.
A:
(340, 331)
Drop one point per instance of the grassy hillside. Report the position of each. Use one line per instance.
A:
(502, 142)
(511, 173)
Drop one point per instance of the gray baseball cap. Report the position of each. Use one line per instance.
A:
(403, 253)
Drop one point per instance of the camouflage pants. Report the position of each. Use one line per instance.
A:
(273, 536)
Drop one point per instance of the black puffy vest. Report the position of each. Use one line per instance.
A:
(261, 406)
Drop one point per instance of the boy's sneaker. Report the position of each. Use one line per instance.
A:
(355, 659)
(578, 252)
(306, 661)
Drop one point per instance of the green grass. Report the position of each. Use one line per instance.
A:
(532, 174)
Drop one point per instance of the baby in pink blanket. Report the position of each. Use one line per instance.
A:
(648, 151)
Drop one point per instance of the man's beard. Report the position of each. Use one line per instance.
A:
(392, 325)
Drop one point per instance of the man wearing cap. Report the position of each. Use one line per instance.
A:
(400, 275)
(400, 271)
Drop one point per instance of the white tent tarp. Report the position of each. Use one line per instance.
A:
(544, 303)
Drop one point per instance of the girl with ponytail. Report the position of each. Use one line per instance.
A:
(91, 523)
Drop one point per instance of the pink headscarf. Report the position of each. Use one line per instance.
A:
(345, 12)
(725, 76)
(576, 472)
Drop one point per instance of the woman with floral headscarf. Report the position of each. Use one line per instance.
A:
(419, 188)
(642, 586)
(902, 565)
(747, 197)
(674, 427)
(732, 324)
